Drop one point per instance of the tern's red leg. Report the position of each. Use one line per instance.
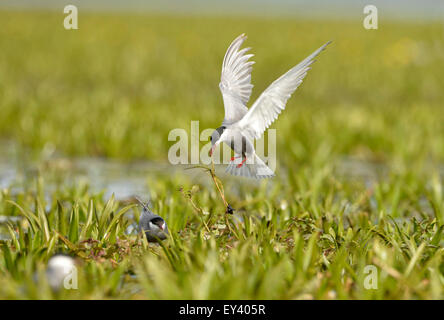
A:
(232, 158)
(241, 164)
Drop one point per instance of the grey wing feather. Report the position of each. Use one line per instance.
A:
(235, 83)
(272, 101)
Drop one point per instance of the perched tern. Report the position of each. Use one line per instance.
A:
(154, 226)
(242, 125)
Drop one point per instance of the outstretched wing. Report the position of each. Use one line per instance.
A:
(235, 83)
(272, 101)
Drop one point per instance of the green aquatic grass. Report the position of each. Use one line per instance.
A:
(118, 85)
(314, 247)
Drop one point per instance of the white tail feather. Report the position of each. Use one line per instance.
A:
(258, 169)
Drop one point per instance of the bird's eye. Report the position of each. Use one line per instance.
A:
(211, 138)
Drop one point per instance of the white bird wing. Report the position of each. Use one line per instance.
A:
(272, 101)
(235, 83)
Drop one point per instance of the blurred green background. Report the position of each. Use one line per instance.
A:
(120, 83)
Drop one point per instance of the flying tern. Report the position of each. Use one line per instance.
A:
(241, 126)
